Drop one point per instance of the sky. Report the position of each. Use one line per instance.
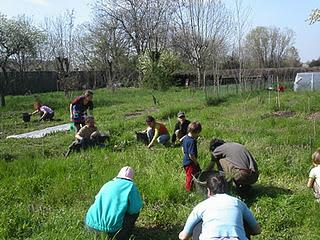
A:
(290, 14)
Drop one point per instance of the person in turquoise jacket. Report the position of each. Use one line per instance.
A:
(116, 207)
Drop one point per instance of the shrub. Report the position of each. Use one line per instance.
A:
(157, 69)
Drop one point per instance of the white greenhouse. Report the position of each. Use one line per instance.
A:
(307, 81)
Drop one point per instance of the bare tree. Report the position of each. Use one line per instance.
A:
(241, 21)
(100, 46)
(60, 45)
(201, 28)
(267, 47)
(144, 22)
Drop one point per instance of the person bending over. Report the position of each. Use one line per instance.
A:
(45, 112)
(116, 207)
(220, 216)
(156, 132)
(79, 108)
(235, 161)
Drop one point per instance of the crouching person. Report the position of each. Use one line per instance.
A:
(87, 136)
(156, 132)
(235, 161)
(116, 207)
(220, 216)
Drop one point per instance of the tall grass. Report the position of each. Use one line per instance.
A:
(45, 196)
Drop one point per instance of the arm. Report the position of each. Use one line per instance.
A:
(134, 202)
(213, 161)
(70, 109)
(36, 111)
(194, 159)
(310, 182)
(174, 136)
(78, 135)
(183, 235)
(194, 218)
(156, 134)
(252, 227)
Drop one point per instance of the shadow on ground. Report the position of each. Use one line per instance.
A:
(157, 233)
(257, 191)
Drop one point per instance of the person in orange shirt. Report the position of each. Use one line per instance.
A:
(156, 132)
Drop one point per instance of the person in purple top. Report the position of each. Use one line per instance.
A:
(46, 113)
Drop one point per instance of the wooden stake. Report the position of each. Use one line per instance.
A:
(278, 92)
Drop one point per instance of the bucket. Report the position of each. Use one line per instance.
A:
(26, 117)
(200, 180)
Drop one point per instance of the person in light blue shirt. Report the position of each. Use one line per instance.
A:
(116, 207)
(220, 216)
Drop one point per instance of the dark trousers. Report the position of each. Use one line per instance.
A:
(123, 234)
(127, 228)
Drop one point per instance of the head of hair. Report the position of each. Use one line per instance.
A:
(150, 119)
(216, 184)
(316, 156)
(194, 127)
(214, 143)
(88, 119)
(37, 105)
(88, 93)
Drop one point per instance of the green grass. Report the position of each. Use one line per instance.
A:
(45, 196)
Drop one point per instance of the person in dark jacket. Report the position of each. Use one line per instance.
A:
(181, 128)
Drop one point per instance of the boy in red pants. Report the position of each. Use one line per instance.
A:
(190, 153)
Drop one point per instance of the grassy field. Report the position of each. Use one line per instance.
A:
(44, 195)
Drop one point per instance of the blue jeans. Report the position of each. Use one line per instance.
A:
(161, 139)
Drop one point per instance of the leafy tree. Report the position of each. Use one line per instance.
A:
(314, 16)
(18, 38)
(315, 63)
(157, 69)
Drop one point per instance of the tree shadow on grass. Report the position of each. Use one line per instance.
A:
(157, 233)
(257, 191)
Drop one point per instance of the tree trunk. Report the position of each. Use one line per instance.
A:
(2, 87)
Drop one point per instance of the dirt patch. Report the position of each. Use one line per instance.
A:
(281, 114)
(313, 116)
(140, 112)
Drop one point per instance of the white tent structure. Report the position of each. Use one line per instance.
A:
(307, 81)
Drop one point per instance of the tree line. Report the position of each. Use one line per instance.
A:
(142, 42)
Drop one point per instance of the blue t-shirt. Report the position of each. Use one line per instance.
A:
(222, 216)
(114, 200)
(189, 146)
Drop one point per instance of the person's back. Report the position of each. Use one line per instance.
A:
(111, 204)
(222, 215)
(236, 154)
